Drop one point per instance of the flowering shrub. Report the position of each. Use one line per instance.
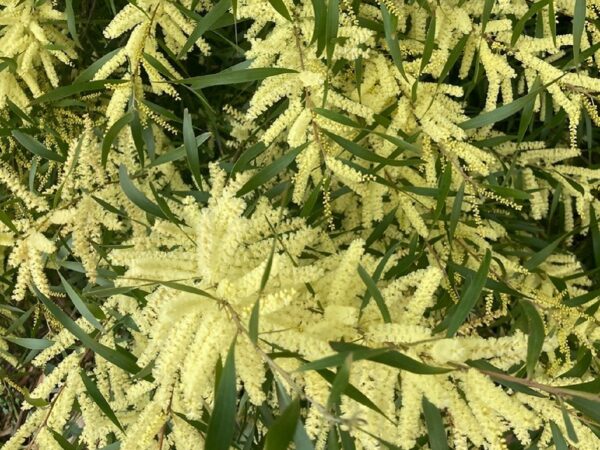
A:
(299, 224)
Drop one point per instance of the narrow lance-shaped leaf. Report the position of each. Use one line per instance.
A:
(375, 293)
(281, 432)
(191, 147)
(204, 25)
(137, 197)
(536, 335)
(233, 77)
(124, 361)
(470, 297)
(271, 170)
(331, 28)
(95, 394)
(390, 24)
(340, 382)
(36, 147)
(559, 441)
(30, 343)
(80, 304)
(221, 427)
(112, 133)
(435, 426)
(280, 7)
(429, 44)
(394, 359)
(578, 29)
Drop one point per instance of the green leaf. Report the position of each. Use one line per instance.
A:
(204, 24)
(112, 133)
(456, 209)
(221, 426)
(88, 73)
(337, 117)
(76, 88)
(388, 357)
(352, 392)
(35, 147)
(319, 31)
(552, 21)
(453, 58)
(595, 232)
(429, 44)
(227, 77)
(559, 441)
(520, 25)
(123, 360)
(331, 28)
(6, 220)
(375, 293)
(361, 152)
(470, 297)
(568, 424)
(578, 29)
(487, 11)
(281, 432)
(435, 426)
(527, 115)
(95, 394)
(340, 382)
(71, 25)
(390, 26)
(191, 146)
(268, 172)
(30, 343)
(500, 113)
(444, 188)
(280, 7)
(541, 256)
(536, 335)
(80, 304)
(137, 197)
(253, 323)
(64, 444)
(590, 408)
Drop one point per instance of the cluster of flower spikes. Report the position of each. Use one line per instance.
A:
(231, 251)
(420, 130)
(308, 302)
(32, 42)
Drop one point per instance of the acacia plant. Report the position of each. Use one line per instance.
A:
(299, 224)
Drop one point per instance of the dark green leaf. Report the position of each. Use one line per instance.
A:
(470, 297)
(221, 426)
(375, 293)
(95, 394)
(578, 29)
(557, 437)
(112, 133)
(204, 25)
(536, 335)
(280, 7)
(435, 426)
(124, 361)
(234, 76)
(72, 89)
(268, 172)
(30, 343)
(35, 147)
(281, 432)
(80, 304)
(137, 197)
(340, 382)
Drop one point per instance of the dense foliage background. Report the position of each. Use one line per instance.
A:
(323, 224)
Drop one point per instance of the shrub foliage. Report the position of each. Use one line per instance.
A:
(299, 224)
